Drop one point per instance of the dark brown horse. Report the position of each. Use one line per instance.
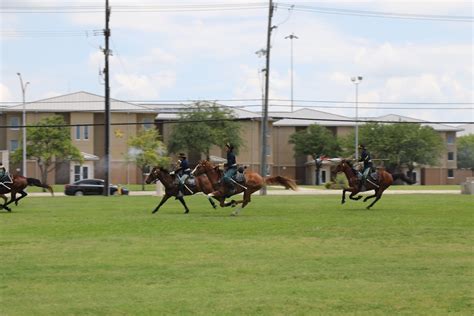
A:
(253, 183)
(202, 184)
(18, 186)
(383, 181)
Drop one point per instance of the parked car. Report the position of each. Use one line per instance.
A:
(92, 187)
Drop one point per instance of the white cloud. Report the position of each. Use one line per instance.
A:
(5, 94)
(142, 86)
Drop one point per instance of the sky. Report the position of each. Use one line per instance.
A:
(415, 62)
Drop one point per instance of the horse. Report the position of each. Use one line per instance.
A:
(253, 183)
(202, 184)
(384, 180)
(18, 185)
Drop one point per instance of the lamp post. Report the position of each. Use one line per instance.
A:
(23, 90)
(292, 36)
(356, 81)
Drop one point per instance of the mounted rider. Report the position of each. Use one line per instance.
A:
(230, 168)
(182, 172)
(367, 160)
(4, 176)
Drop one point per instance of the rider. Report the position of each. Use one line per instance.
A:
(4, 176)
(367, 160)
(182, 172)
(230, 168)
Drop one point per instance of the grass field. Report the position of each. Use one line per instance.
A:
(284, 255)
(152, 187)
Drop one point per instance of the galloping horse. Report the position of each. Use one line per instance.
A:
(253, 183)
(202, 184)
(384, 180)
(18, 186)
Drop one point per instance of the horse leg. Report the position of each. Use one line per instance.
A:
(356, 198)
(23, 194)
(209, 197)
(163, 200)
(5, 199)
(378, 196)
(181, 199)
(369, 197)
(343, 196)
(244, 202)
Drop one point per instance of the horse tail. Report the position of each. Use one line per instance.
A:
(401, 176)
(37, 183)
(287, 183)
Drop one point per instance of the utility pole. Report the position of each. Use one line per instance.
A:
(107, 103)
(23, 92)
(292, 36)
(263, 162)
(357, 80)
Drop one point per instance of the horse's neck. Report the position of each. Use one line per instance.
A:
(213, 175)
(349, 173)
(165, 179)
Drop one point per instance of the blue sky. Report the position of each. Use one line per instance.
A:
(211, 55)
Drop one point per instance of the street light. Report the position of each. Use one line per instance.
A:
(23, 90)
(292, 36)
(356, 81)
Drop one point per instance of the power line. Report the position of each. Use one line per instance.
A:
(137, 8)
(50, 33)
(379, 14)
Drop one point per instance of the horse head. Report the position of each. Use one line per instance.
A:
(156, 174)
(202, 167)
(152, 176)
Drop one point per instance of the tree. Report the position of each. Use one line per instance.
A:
(146, 150)
(402, 144)
(316, 141)
(466, 152)
(203, 126)
(48, 142)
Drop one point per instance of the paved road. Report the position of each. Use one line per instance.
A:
(301, 191)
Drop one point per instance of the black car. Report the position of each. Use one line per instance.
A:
(92, 187)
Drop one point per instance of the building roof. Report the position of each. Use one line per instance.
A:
(399, 118)
(79, 102)
(173, 112)
(306, 117)
(466, 129)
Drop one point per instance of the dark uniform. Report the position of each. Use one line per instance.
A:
(4, 176)
(230, 167)
(367, 160)
(182, 172)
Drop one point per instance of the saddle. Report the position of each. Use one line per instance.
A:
(239, 175)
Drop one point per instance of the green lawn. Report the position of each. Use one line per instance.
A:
(152, 187)
(284, 255)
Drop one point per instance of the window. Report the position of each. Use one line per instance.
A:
(450, 138)
(14, 122)
(450, 173)
(450, 155)
(323, 176)
(78, 132)
(13, 144)
(86, 132)
(147, 123)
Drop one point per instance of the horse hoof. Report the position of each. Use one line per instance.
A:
(186, 212)
(233, 214)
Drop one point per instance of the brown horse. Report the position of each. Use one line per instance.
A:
(202, 184)
(253, 183)
(18, 186)
(383, 181)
